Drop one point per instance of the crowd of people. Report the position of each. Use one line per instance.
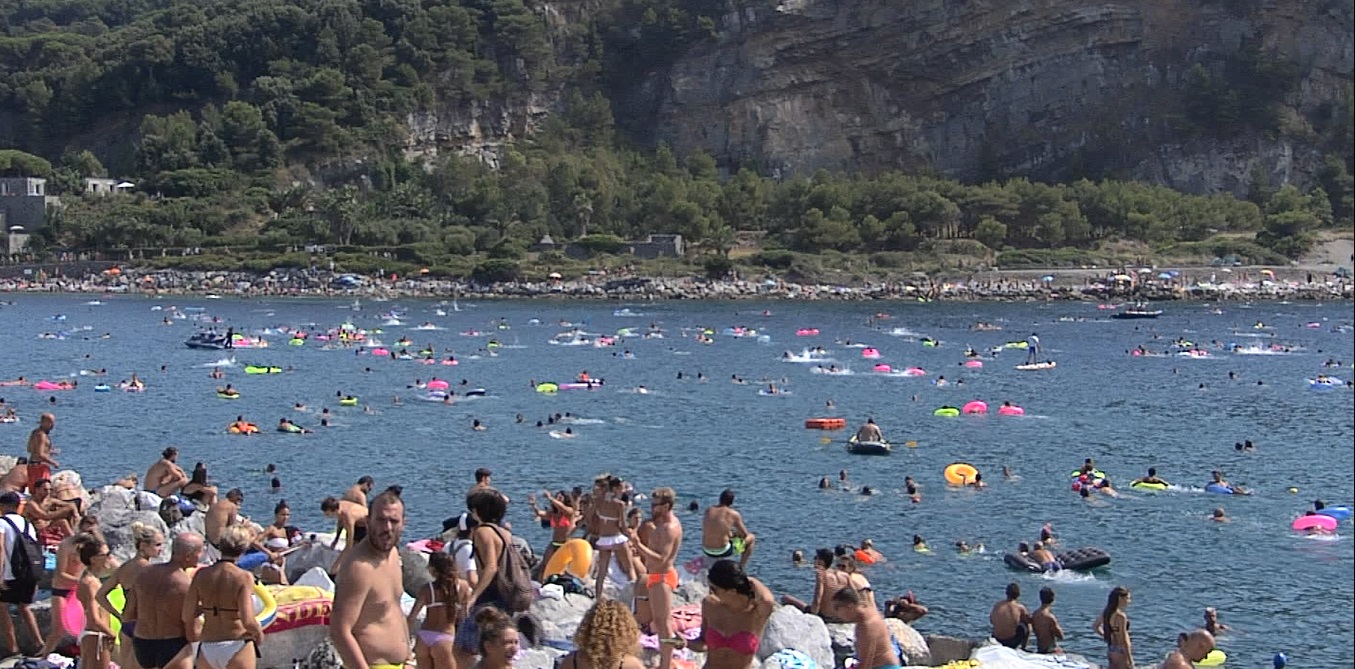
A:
(475, 610)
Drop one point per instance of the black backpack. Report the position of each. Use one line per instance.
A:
(27, 562)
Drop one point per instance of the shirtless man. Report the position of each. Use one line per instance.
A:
(869, 432)
(16, 479)
(484, 481)
(1191, 648)
(351, 520)
(1010, 620)
(155, 602)
(165, 477)
(223, 514)
(1151, 478)
(45, 511)
(148, 543)
(721, 525)
(358, 493)
(1048, 632)
(40, 451)
(1044, 558)
(366, 626)
(658, 556)
(874, 649)
(66, 578)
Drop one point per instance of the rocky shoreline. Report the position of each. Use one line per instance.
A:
(791, 637)
(1157, 284)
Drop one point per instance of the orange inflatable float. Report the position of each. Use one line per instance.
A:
(825, 423)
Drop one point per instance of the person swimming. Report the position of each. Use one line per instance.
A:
(1151, 479)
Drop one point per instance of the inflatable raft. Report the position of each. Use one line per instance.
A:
(869, 447)
(1081, 559)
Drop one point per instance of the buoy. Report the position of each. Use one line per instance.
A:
(1293, 490)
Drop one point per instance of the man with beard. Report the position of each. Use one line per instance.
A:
(659, 553)
(365, 626)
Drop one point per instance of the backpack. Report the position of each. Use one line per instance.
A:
(512, 581)
(27, 563)
(570, 584)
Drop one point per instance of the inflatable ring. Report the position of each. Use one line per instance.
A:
(575, 557)
(265, 606)
(1143, 485)
(348, 402)
(1304, 523)
(1095, 473)
(946, 412)
(960, 473)
(1215, 658)
(1337, 512)
(547, 387)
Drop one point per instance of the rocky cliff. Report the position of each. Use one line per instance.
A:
(983, 88)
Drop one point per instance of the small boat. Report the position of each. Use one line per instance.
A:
(869, 447)
(1136, 312)
(207, 340)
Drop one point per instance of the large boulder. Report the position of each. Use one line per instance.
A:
(282, 650)
(323, 656)
(414, 571)
(792, 628)
(309, 556)
(116, 510)
(911, 642)
(560, 614)
(947, 649)
(542, 657)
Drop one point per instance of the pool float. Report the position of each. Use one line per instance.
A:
(1337, 512)
(975, 407)
(451, 361)
(870, 353)
(247, 428)
(1095, 473)
(575, 557)
(1328, 383)
(857, 447)
(960, 473)
(299, 606)
(9, 419)
(1014, 344)
(132, 387)
(262, 369)
(1037, 366)
(1080, 559)
(437, 384)
(915, 371)
(1305, 523)
(348, 402)
(974, 364)
(1010, 410)
(882, 368)
(547, 387)
(102, 388)
(1215, 658)
(825, 423)
(1144, 485)
(946, 412)
(806, 332)
(228, 396)
(296, 341)
(1219, 489)
(50, 385)
(587, 385)
(381, 352)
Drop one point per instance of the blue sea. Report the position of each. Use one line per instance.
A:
(701, 433)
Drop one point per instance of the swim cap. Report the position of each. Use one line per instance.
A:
(1281, 660)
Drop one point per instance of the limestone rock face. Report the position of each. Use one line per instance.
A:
(790, 628)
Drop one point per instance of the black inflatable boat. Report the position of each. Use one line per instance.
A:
(1081, 559)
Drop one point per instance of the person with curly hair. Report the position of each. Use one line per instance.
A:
(607, 638)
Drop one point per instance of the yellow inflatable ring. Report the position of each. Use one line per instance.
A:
(1215, 658)
(575, 557)
(960, 474)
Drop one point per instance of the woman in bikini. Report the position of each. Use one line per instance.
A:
(733, 616)
(277, 538)
(65, 579)
(608, 517)
(149, 543)
(197, 488)
(97, 639)
(445, 600)
(223, 594)
(607, 638)
(1113, 626)
(559, 516)
(847, 565)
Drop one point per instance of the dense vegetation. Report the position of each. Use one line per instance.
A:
(226, 111)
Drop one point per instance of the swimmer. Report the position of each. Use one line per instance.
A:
(920, 545)
(1219, 517)
(477, 426)
(1008, 475)
(298, 407)
(797, 558)
(1211, 621)
(978, 481)
(1047, 535)
(867, 490)
(1151, 478)
(911, 488)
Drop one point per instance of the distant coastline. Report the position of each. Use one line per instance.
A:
(1088, 285)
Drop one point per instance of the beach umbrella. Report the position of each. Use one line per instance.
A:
(1268, 272)
(554, 275)
(1122, 277)
(1165, 275)
(1145, 270)
(1047, 278)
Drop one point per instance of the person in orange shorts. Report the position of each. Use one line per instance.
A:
(40, 451)
(659, 552)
